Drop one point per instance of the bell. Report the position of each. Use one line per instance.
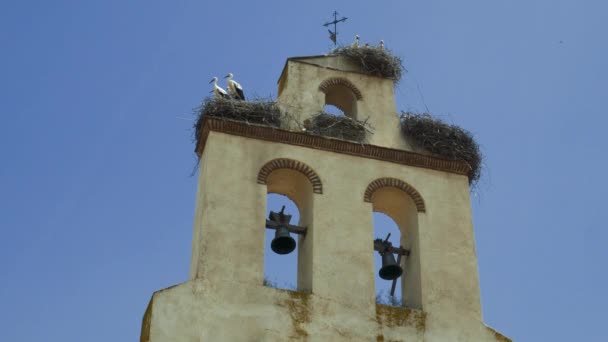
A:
(390, 269)
(282, 243)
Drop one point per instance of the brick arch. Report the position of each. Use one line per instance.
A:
(284, 163)
(395, 183)
(328, 83)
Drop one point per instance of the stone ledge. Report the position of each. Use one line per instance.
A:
(327, 144)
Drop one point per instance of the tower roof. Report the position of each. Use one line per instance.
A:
(332, 62)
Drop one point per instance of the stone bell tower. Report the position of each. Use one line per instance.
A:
(337, 184)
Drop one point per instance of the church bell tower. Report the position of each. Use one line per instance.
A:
(337, 181)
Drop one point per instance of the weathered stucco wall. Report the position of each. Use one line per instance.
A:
(199, 311)
(226, 301)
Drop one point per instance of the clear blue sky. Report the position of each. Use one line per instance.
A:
(96, 197)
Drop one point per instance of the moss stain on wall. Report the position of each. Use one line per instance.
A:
(393, 316)
(298, 307)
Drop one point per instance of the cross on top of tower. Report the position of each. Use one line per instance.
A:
(333, 35)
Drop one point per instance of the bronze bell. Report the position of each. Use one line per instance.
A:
(390, 269)
(282, 243)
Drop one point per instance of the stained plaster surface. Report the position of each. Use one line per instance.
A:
(224, 300)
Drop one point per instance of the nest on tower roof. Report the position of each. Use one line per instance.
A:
(259, 111)
(374, 60)
(444, 140)
(337, 126)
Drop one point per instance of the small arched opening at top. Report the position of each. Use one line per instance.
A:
(341, 94)
(293, 184)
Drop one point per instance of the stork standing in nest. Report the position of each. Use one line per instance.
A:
(356, 42)
(218, 92)
(234, 88)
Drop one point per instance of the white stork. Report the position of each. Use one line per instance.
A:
(218, 91)
(356, 42)
(381, 44)
(234, 88)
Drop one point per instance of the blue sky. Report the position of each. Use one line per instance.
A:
(96, 197)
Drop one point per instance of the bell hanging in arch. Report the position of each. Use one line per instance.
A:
(282, 243)
(390, 269)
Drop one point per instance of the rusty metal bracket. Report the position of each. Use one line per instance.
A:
(280, 219)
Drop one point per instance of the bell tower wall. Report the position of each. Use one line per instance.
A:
(225, 290)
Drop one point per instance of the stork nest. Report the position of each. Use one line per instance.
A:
(444, 140)
(374, 60)
(341, 127)
(262, 112)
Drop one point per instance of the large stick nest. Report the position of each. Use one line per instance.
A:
(262, 112)
(374, 60)
(444, 140)
(341, 127)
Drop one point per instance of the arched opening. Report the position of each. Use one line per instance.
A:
(280, 271)
(342, 94)
(343, 98)
(384, 225)
(394, 210)
(291, 271)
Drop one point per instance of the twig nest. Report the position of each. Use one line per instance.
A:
(341, 127)
(257, 112)
(444, 140)
(374, 60)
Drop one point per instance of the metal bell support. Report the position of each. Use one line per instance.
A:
(391, 269)
(283, 243)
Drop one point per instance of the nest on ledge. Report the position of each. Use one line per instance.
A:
(337, 126)
(262, 112)
(373, 60)
(444, 140)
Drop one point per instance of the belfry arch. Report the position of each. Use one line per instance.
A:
(285, 163)
(298, 182)
(395, 183)
(402, 203)
(341, 93)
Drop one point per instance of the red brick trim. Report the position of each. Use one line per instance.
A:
(328, 83)
(327, 144)
(284, 163)
(394, 183)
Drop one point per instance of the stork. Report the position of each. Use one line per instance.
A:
(218, 91)
(356, 42)
(381, 45)
(234, 88)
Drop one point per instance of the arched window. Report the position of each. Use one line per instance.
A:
(384, 225)
(342, 94)
(400, 205)
(290, 183)
(280, 271)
